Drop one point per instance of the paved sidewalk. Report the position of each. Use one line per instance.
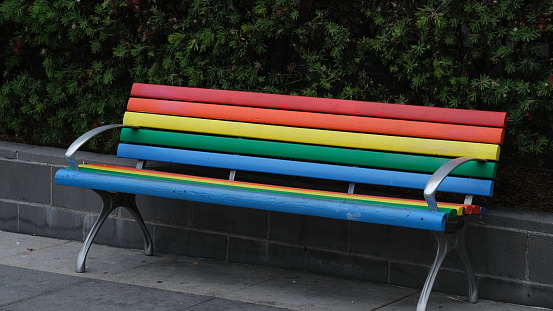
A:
(37, 273)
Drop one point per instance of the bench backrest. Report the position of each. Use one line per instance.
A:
(344, 140)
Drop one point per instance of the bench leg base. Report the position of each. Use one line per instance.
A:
(447, 242)
(110, 202)
(133, 209)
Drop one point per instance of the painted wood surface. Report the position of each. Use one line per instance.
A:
(316, 136)
(325, 105)
(353, 211)
(320, 120)
(305, 169)
(451, 209)
(367, 158)
(342, 140)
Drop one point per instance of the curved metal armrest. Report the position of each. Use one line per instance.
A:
(70, 153)
(439, 176)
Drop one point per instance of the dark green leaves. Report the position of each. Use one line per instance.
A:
(68, 65)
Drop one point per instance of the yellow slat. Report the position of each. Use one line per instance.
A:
(315, 136)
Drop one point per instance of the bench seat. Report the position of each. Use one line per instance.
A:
(284, 138)
(236, 193)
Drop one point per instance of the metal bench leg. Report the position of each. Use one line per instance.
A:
(110, 202)
(471, 277)
(130, 205)
(446, 243)
(108, 206)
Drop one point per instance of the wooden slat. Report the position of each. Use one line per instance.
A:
(357, 157)
(304, 169)
(451, 208)
(352, 211)
(315, 136)
(320, 120)
(325, 105)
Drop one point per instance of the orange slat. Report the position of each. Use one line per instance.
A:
(325, 105)
(320, 120)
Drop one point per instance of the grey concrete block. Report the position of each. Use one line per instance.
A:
(118, 232)
(25, 181)
(308, 230)
(55, 156)
(517, 218)
(286, 256)
(238, 220)
(190, 243)
(9, 150)
(163, 210)
(9, 216)
(540, 254)
(392, 242)
(346, 265)
(515, 291)
(414, 275)
(253, 252)
(495, 251)
(50, 222)
(407, 274)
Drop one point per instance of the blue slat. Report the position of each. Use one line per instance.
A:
(404, 217)
(304, 169)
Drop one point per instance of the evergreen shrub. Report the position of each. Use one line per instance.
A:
(67, 66)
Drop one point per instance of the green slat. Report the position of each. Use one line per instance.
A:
(304, 152)
(451, 212)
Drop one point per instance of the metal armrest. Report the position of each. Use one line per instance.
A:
(70, 153)
(439, 176)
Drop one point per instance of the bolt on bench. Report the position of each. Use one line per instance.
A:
(350, 142)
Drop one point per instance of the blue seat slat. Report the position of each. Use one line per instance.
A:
(420, 219)
(304, 169)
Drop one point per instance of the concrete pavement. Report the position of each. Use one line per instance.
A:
(37, 273)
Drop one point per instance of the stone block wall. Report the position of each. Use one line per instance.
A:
(510, 248)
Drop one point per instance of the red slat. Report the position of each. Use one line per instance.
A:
(325, 105)
(458, 132)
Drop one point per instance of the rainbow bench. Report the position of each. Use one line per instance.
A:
(347, 142)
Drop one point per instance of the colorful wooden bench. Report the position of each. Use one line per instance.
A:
(345, 141)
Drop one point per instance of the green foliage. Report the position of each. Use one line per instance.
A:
(67, 66)
(471, 54)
